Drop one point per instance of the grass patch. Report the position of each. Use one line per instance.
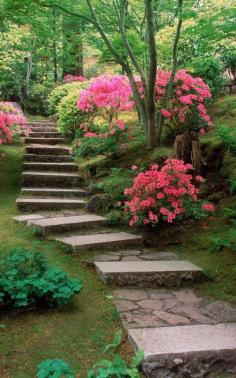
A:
(76, 334)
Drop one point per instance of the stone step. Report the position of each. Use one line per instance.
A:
(67, 223)
(41, 123)
(186, 351)
(44, 130)
(149, 273)
(46, 134)
(114, 239)
(52, 179)
(47, 150)
(48, 141)
(53, 192)
(32, 204)
(47, 158)
(42, 166)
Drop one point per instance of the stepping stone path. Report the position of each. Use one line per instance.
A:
(180, 334)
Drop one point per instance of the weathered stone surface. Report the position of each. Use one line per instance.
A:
(99, 203)
(223, 312)
(123, 305)
(48, 166)
(139, 319)
(65, 223)
(29, 204)
(47, 150)
(47, 158)
(40, 179)
(53, 192)
(131, 294)
(28, 217)
(159, 256)
(46, 134)
(130, 258)
(171, 319)
(115, 239)
(186, 351)
(149, 273)
(44, 140)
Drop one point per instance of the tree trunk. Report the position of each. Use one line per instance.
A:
(54, 46)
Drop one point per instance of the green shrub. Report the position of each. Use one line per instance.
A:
(37, 103)
(229, 61)
(69, 115)
(228, 136)
(61, 91)
(54, 369)
(211, 71)
(97, 146)
(115, 184)
(26, 280)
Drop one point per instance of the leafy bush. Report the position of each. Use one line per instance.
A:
(70, 116)
(165, 194)
(26, 280)
(54, 369)
(210, 70)
(228, 135)
(229, 61)
(115, 184)
(228, 241)
(37, 103)
(61, 91)
(109, 140)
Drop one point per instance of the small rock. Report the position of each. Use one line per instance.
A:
(99, 203)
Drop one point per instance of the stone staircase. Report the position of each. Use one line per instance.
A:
(181, 335)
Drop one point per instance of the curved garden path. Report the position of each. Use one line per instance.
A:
(181, 335)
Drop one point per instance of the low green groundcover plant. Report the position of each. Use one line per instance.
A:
(117, 367)
(54, 369)
(26, 280)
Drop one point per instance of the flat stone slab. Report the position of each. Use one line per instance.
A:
(28, 217)
(53, 192)
(51, 178)
(49, 225)
(48, 150)
(28, 204)
(47, 158)
(49, 129)
(132, 255)
(166, 307)
(114, 239)
(45, 140)
(149, 273)
(47, 134)
(49, 166)
(186, 351)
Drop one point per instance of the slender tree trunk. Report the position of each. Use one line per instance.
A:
(80, 53)
(54, 46)
(160, 120)
(152, 71)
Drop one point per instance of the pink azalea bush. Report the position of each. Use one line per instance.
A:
(13, 124)
(187, 102)
(165, 193)
(109, 94)
(70, 78)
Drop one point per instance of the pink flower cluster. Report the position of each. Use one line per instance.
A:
(69, 78)
(162, 193)
(12, 122)
(110, 92)
(189, 96)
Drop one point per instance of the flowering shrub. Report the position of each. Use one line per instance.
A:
(107, 141)
(186, 105)
(108, 94)
(164, 194)
(13, 124)
(69, 78)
